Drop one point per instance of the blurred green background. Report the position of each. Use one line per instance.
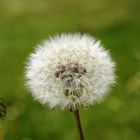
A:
(24, 23)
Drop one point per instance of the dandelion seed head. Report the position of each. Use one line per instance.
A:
(70, 71)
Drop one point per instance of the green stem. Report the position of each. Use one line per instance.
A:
(79, 127)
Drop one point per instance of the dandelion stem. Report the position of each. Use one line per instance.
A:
(79, 127)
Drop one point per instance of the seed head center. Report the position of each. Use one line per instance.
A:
(70, 71)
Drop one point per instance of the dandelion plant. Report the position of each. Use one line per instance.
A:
(70, 71)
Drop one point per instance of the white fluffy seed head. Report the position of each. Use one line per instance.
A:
(70, 71)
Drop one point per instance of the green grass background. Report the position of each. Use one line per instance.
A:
(24, 23)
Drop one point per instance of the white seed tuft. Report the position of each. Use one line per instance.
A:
(70, 71)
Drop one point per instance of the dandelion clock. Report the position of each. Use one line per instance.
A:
(70, 71)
